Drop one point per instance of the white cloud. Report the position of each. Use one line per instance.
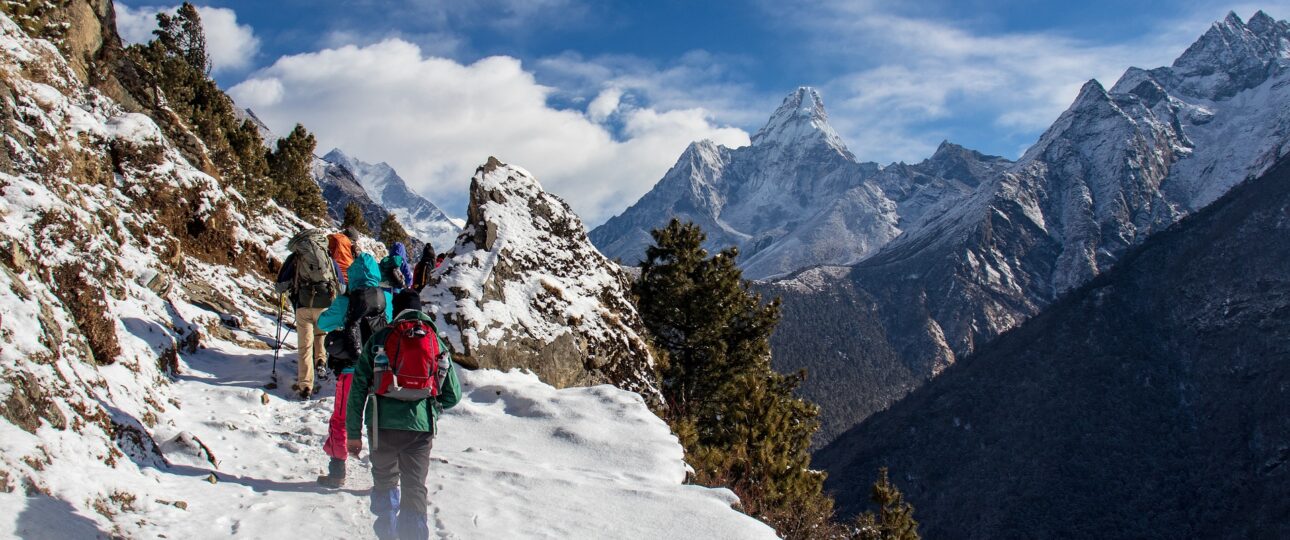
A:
(910, 73)
(231, 46)
(435, 120)
(605, 104)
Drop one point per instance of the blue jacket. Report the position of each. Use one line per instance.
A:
(402, 251)
(363, 273)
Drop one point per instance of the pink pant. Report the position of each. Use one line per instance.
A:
(336, 438)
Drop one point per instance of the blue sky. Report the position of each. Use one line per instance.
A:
(599, 98)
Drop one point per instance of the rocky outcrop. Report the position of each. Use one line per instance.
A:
(524, 288)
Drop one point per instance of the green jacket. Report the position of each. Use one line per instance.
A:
(397, 414)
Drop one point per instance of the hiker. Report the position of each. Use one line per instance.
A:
(427, 264)
(341, 250)
(396, 274)
(313, 280)
(350, 321)
(409, 374)
(352, 233)
(438, 261)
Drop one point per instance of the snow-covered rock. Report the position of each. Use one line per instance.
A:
(420, 217)
(796, 197)
(523, 287)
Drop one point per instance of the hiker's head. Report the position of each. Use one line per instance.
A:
(352, 233)
(398, 249)
(405, 300)
(427, 252)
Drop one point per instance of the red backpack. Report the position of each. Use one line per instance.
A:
(412, 362)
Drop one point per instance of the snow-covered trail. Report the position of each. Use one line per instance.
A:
(515, 459)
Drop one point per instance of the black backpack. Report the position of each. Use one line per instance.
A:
(364, 318)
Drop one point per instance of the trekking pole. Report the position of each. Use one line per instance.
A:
(277, 348)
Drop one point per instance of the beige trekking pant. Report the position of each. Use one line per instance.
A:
(309, 346)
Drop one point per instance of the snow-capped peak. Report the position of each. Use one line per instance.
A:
(1233, 56)
(417, 214)
(800, 119)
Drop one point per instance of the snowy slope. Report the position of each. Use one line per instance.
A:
(524, 287)
(136, 333)
(420, 217)
(515, 459)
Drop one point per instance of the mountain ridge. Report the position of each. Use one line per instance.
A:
(1116, 167)
(1147, 403)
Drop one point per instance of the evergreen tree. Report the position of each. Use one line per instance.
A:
(895, 517)
(739, 421)
(354, 218)
(176, 66)
(289, 168)
(392, 231)
(252, 172)
(183, 34)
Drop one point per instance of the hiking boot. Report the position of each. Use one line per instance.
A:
(304, 393)
(332, 482)
(335, 477)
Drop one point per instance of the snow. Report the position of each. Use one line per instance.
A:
(561, 281)
(515, 459)
(126, 449)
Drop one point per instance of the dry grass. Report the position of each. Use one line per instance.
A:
(89, 308)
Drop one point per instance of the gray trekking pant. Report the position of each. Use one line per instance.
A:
(402, 460)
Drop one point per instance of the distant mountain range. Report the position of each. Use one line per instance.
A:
(1149, 403)
(422, 218)
(377, 189)
(796, 197)
(890, 274)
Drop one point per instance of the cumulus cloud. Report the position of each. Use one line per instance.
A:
(435, 120)
(231, 46)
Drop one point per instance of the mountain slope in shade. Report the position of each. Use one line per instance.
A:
(524, 288)
(419, 216)
(340, 188)
(796, 197)
(1116, 167)
(1150, 403)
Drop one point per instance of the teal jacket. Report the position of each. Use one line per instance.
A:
(397, 414)
(363, 273)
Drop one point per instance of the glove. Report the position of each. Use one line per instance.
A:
(354, 446)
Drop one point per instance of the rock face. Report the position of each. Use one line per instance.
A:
(420, 217)
(796, 197)
(524, 288)
(1116, 167)
(1150, 403)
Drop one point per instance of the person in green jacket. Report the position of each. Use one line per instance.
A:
(402, 432)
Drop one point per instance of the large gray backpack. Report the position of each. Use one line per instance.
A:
(315, 283)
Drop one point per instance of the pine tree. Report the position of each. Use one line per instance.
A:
(895, 517)
(392, 231)
(251, 174)
(289, 167)
(739, 421)
(176, 65)
(354, 218)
